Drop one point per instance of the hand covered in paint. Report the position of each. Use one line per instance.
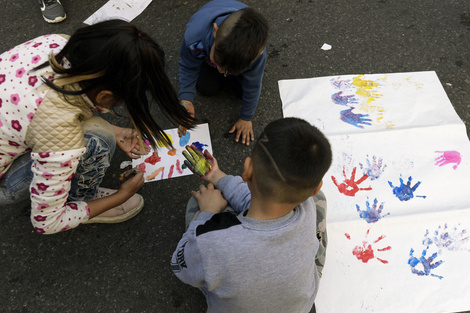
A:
(200, 164)
(128, 141)
(210, 199)
(214, 174)
(244, 131)
(188, 105)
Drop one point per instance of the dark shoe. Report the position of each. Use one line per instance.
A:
(52, 11)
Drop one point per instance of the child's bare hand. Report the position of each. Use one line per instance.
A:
(244, 131)
(127, 141)
(133, 184)
(188, 105)
(210, 199)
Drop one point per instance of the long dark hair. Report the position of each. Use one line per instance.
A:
(117, 56)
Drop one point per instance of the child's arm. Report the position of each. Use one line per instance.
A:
(236, 192)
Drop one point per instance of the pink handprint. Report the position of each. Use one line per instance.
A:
(448, 157)
(350, 187)
(365, 252)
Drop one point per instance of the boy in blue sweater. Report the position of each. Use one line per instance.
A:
(224, 43)
(264, 255)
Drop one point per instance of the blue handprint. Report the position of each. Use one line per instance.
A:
(354, 119)
(374, 170)
(405, 192)
(427, 263)
(371, 214)
(343, 100)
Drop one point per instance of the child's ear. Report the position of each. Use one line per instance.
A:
(104, 97)
(216, 28)
(317, 189)
(248, 169)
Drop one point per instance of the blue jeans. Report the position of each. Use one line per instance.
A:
(100, 143)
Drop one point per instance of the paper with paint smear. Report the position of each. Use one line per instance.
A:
(121, 9)
(398, 208)
(169, 163)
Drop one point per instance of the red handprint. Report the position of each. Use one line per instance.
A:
(350, 187)
(365, 252)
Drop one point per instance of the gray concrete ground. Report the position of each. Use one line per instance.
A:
(125, 267)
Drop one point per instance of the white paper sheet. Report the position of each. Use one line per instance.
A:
(394, 245)
(170, 163)
(118, 9)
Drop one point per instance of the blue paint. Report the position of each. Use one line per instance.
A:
(357, 120)
(374, 169)
(343, 100)
(199, 146)
(405, 192)
(185, 139)
(427, 263)
(371, 214)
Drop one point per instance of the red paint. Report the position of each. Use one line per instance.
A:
(171, 171)
(153, 159)
(385, 249)
(378, 239)
(178, 167)
(142, 167)
(363, 253)
(350, 187)
(163, 172)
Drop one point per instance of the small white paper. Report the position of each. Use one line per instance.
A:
(167, 163)
(326, 47)
(118, 9)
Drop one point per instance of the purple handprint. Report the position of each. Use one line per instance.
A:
(405, 192)
(448, 157)
(448, 238)
(427, 263)
(374, 169)
(338, 98)
(371, 214)
(354, 119)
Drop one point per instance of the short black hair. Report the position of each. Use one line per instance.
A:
(290, 159)
(240, 39)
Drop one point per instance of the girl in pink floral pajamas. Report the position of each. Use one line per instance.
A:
(52, 148)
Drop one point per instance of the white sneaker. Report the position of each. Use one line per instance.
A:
(120, 213)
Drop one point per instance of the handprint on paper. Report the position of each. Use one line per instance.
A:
(405, 192)
(448, 157)
(357, 120)
(372, 214)
(451, 239)
(426, 263)
(338, 98)
(373, 169)
(350, 187)
(365, 252)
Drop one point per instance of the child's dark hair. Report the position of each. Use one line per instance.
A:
(290, 159)
(117, 56)
(240, 39)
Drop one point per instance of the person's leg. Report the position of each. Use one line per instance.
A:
(100, 142)
(52, 11)
(14, 185)
(210, 81)
(320, 202)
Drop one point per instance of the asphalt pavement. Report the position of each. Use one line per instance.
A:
(126, 267)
